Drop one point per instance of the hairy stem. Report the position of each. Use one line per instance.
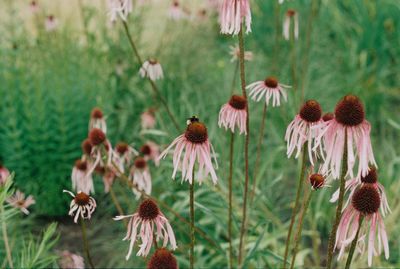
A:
(258, 153)
(192, 237)
(85, 243)
(297, 237)
(117, 204)
(246, 149)
(153, 85)
(230, 200)
(5, 237)
(296, 204)
(332, 237)
(354, 243)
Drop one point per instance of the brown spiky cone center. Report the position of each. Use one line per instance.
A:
(311, 111)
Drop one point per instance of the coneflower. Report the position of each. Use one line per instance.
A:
(361, 218)
(123, 155)
(176, 12)
(97, 120)
(151, 151)
(140, 177)
(162, 259)
(270, 88)
(120, 8)
(191, 147)
(4, 174)
(70, 260)
(235, 53)
(34, 7)
(148, 119)
(151, 69)
(100, 147)
(234, 114)
(287, 22)
(232, 14)
(306, 127)
(147, 221)
(19, 201)
(51, 23)
(82, 205)
(82, 180)
(349, 127)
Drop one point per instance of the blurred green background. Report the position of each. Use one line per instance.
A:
(49, 82)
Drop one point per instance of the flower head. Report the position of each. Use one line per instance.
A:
(270, 88)
(151, 151)
(100, 147)
(18, 201)
(123, 155)
(232, 14)
(151, 69)
(70, 260)
(34, 7)
(120, 8)
(146, 217)
(350, 128)
(148, 119)
(176, 11)
(51, 23)
(365, 202)
(234, 114)
(140, 176)
(305, 127)
(81, 178)
(190, 147)
(4, 174)
(162, 258)
(235, 53)
(286, 24)
(81, 205)
(97, 120)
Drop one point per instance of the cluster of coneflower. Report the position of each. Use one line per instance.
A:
(337, 143)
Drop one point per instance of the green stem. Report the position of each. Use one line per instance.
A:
(258, 153)
(234, 77)
(354, 243)
(153, 85)
(332, 237)
(246, 149)
(300, 229)
(293, 58)
(192, 237)
(5, 237)
(117, 204)
(296, 204)
(230, 200)
(85, 243)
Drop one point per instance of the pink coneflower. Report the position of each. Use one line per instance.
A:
(18, 201)
(147, 216)
(97, 120)
(328, 116)
(162, 259)
(286, 24)
(34, 7)
(100, 147)
(86, 147)
(82, 205)
(70, 260)
(349, 122)
(176, 11)
(365, 202)
(235, 53)
(108, 177)
(355, 183)
(120, 8)
(151, 151)
(234, 114)
(232, 14)
(123, 155)
(270, 88)
(191, 146)
(82, 180)
(151, 69)
(305, 127)
(4, 174)
(141, 178)
(148, 119)
(51, 23)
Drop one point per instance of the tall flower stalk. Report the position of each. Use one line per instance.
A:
(332, 236)
(153, 85)
(296, 204)
(85, 243)
(231, 151)
(5, 237)
(246, 148)
(192, 230)
(354, 243)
